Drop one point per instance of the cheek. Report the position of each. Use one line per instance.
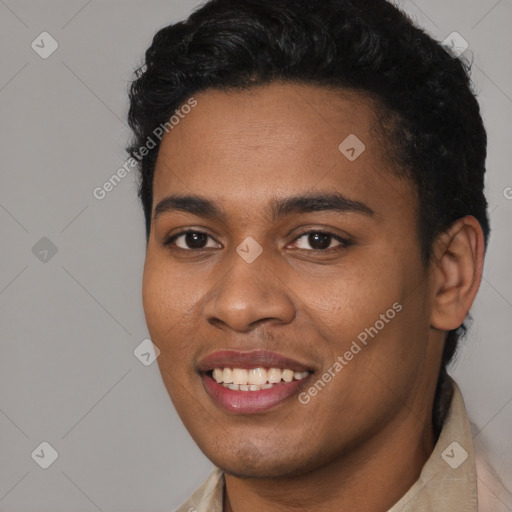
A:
(357, 305)
(170, 307)
(164, 294)
(155, 297)
(163, 323)
(164, 319)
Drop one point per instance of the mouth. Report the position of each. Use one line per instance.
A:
(254, 379)
(251, 382)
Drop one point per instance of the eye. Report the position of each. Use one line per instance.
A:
(320, 241)
(191, 240)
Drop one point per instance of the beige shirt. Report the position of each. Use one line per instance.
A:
(447, 482)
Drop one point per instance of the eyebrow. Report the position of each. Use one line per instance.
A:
(279, 208)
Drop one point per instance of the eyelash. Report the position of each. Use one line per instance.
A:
(344, 243)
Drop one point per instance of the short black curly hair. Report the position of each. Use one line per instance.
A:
(423, 95)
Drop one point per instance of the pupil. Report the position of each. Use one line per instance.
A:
(195, 240)
(319, 240)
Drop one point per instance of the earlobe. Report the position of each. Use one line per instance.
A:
(458, 258)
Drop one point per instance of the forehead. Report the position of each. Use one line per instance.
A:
(278, 140)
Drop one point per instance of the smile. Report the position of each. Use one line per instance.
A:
(252, 381)
(255, 379)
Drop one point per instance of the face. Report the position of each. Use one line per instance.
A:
(280, 262)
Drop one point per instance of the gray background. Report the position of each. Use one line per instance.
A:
(69, 325)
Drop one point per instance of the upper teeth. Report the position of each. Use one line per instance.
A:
(256, 376)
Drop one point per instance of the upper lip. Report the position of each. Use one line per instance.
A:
(249, 359)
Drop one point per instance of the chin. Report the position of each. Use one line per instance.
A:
(262, 471)
(247, 461)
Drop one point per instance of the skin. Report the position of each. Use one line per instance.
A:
(361, 442)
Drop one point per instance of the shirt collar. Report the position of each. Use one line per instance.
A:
(447, 481)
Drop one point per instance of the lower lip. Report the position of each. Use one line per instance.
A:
(250, 402)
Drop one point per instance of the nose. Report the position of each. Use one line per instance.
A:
(248, 295)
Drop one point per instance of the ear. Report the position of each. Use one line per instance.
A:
(458, 259)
